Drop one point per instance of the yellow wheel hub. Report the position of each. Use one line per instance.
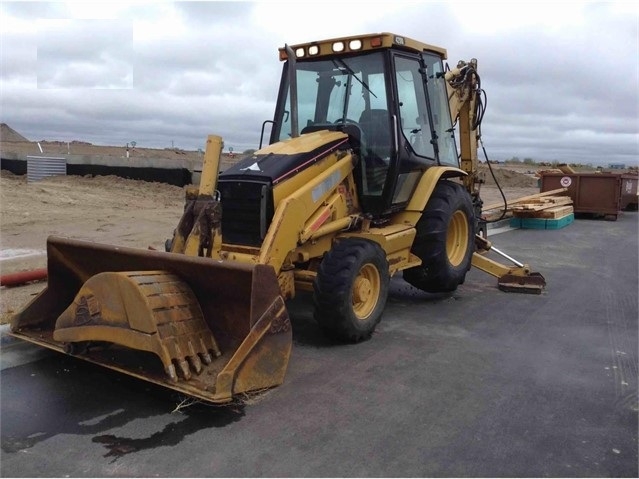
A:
(366, 291)
(457, 238)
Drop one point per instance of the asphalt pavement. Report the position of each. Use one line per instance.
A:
(474, 384)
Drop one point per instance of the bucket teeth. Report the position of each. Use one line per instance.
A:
(183, 368)
(183, 333)
(187, 356)
(159, 312)
(206, 358)
(170, 372)
(195, 363)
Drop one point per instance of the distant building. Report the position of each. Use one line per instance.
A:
(617, 166)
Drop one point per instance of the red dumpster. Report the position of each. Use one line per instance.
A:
(596, 193)
(629, 191)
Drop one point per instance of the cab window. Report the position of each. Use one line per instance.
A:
(442, 123)
(414, 120)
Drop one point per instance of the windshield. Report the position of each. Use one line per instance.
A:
(334, 90)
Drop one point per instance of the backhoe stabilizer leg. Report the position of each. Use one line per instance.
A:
(531, 283)
(516, 279)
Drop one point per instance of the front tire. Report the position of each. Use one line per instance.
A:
(445, 240)
(351, 289)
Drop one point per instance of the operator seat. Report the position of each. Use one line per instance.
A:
(375, 149)
(375, 125)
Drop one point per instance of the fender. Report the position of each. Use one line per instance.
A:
(421, 195)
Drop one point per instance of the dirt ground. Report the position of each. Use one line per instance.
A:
(107, 209)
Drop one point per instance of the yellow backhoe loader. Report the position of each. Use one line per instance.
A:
(361, 180)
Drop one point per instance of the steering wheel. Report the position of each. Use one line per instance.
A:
(346, 120)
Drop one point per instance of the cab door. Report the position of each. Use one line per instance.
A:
(425, 133)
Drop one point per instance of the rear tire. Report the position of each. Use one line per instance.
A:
(445, 240)
(351, 289)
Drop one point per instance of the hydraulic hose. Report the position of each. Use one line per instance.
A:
(22, 277)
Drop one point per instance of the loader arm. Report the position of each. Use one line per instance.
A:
(199, 227)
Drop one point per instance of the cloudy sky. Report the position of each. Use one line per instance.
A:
(562, 79)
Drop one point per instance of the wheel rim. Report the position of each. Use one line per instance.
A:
(457, 238)
(366, 291)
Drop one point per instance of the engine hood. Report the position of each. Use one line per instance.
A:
(280, 160)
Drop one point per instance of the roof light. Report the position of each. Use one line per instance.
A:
(313, 50)
(376, 42)
(299, 52)
(355, 44)
(338, 47)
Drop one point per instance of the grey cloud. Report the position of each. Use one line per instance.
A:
(106, 116)
(208, 55)
(18, 58)
(85, 54)
(107, 73)
(33, 10)
(82, 38)
(205, 14)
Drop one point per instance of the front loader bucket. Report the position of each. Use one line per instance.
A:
(207, 328)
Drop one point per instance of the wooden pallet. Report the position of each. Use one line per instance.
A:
(524, 199)
(553, 212)
(551, 205)
(531, 206)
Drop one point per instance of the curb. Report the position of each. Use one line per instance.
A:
(5, 337)
(501, 226)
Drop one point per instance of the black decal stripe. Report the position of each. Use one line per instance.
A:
(310, 161)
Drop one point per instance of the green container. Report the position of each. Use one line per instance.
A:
(543, 223)
(559, 223)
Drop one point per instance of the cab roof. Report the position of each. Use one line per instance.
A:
(357, 43)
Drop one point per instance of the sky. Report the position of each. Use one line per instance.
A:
(562, 79)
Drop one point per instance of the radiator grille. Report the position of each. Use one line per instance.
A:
(247, 210)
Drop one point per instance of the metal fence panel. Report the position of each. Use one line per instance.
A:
(39, 167)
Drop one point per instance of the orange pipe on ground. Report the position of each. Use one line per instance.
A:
(15, 279)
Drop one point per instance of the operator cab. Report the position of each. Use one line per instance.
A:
(388, 93)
